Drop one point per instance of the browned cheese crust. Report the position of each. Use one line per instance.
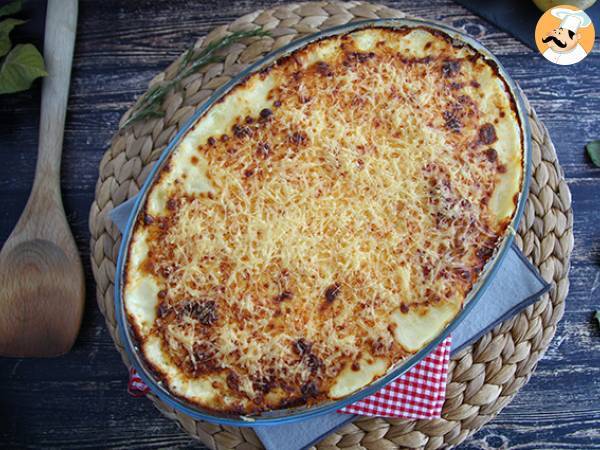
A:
(359, 198)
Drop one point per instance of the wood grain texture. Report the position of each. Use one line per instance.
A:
(80, 400)
(41, 274)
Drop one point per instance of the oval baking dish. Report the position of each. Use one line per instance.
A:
(277, 416)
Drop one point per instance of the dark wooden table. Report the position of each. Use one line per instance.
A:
(80, 400)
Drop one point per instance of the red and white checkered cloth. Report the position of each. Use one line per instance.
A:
(418, 394)
(136, 386)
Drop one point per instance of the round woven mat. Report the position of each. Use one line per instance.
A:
(483, 378)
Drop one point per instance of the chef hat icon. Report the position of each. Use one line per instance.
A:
(571, 20)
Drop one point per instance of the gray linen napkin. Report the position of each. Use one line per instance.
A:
(515, 286)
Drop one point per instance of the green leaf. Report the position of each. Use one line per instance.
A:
(593, 149)
(11, 8)
(6, 26)
(20, 68)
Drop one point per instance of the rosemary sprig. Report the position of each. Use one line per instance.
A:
(192, 61)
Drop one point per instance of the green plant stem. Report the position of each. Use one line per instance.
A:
(190, 63)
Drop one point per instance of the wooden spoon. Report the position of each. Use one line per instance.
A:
(42, 289)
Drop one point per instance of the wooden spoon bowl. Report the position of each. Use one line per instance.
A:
(41, 299)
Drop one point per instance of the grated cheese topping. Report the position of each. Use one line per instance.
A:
(324, 221)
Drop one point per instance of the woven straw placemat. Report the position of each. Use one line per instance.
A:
(483, 378)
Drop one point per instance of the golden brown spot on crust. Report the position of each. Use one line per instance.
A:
(487, 134)
(265, 113)
(302, 347)
(233, 381)
(264, 150)
(298, 137)
(285, 295)
(453, 118)
(309, 389)
(491, 154)
(450, 68)
(324, 69)
(332, 292)
(172, 204)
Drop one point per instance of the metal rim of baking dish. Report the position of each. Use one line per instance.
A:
(290, 415)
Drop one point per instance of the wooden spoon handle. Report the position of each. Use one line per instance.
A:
(59, 42)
